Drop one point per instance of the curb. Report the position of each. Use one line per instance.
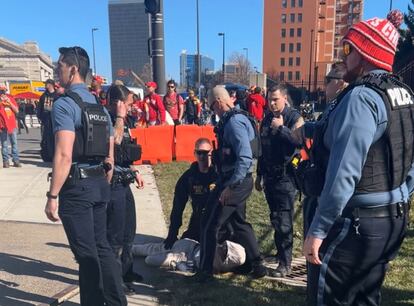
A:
(63, 296)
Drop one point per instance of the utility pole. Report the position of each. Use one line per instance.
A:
(155, 8)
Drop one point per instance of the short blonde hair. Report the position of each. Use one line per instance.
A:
(218, 92)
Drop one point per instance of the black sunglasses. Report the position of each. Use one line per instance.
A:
(202, 152)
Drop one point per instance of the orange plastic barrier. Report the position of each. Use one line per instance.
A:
(139, 135)
(185, 138)
(208, 132)
(157, 143)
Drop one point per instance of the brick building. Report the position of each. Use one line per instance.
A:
(301, 38)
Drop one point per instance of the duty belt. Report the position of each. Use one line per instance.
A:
(394, 210)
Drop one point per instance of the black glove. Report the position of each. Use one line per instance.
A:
(168, 243)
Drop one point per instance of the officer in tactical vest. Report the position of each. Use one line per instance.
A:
(195, 183)
(121, 209)
(274, 170)
(363, 148)
(82, 164)
(237, 144)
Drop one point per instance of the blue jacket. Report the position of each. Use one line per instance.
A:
(358, 121)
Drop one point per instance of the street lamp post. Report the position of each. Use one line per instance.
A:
(93, 50)
(310, 63)
(224, 54)
(247, 63)
(198, 49)
(247, 54)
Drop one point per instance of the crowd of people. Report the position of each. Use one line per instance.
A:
(354, 165)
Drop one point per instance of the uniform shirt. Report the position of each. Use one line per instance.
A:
(196, 185)
(278, 145)
(358, 121)
(238, 132)
(66, 114)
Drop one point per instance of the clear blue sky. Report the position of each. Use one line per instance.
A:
(66, 23)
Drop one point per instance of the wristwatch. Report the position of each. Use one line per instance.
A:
(50, 196)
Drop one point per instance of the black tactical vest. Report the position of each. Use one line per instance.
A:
(276, 151)
(92, 138)
(128, 151)
(390, 158)
(225, 152)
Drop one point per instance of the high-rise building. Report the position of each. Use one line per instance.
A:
(129, 30)
(301, 39)
(188, 68)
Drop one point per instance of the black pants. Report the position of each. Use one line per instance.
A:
(22, 123)
(353, 266)
(309, 205)
(234, 212)
(121, 220)
(82, 209)
(280, 196)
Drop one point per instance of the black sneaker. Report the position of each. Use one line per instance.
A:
(281, 271)
(202, 277)
(259, 270)
(133, 278)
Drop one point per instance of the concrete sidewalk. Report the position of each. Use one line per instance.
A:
(35, 260)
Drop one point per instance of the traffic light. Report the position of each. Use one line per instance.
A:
(152, 6)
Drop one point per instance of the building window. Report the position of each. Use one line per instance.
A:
(291, 32)
(299, 32)
(282, 75)
(283, 32)
(290, 61)
(282, 47)
(292, 17)
(298, 61)
(300, 17)
(283, 18)
(292, 3)
(282, 61)
(291, 47)
(300, 3)
(298, 47)
(284, 3)
(290, 75)
(297, 75)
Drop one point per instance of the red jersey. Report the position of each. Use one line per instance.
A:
(255, 105)
(8, 116)
(172, 104)
(155, 108)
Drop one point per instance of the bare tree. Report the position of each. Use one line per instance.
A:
(241, 67)
(146, 73)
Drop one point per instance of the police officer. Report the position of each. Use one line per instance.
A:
(275, 170)
(236, 136)
(363, 147)
(121, 209)
(196, 183)
(78, 178)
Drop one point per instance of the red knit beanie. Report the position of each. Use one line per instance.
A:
(376, 39)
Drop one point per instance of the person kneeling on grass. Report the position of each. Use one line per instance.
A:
(184, 255)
